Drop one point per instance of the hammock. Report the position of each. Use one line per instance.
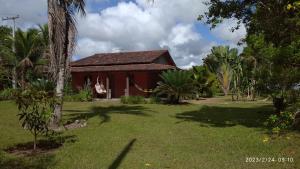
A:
(100, 89)
(143, 90)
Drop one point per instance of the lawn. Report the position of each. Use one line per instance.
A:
(191, 136)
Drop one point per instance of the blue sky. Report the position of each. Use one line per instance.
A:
(130, 25)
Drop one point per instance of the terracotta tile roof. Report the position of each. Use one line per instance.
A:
(129, 67)
(121, 58)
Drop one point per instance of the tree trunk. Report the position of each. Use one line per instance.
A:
(59, 95)
(34, 141)
(14, 78)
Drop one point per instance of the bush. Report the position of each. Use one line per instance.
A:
(176, 85)
(7, 94)
(43, 85)
(84, 95)
(282, 121)
(154, 100)
(133, 100)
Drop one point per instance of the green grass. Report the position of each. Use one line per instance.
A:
(217, 135)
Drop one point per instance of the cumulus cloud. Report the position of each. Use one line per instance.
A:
(224, 32)
(134, 25)
(145, 26)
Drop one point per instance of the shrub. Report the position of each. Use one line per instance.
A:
(7, 94)
(282, 121)
(176, 85)
(133, 100)
(43, 85)
(154, 100)
(84, 95)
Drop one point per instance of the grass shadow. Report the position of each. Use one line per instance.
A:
(216, 116)
(117, 162)
(37, 162)
(44, 146)
(105, 112)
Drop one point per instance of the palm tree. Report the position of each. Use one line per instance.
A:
(28, 51)
(26, 56)
(175, 84)
(220, 63)
(62, 34)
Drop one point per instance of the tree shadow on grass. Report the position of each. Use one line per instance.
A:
(227, 116)
(22, 156)
(36, 162)
(105, 112)
(117, 162)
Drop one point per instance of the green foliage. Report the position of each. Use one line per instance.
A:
(154, 100)
(43, 84)
(35, 110)
(29, 58)
(68, 89)
(175, 85)
(278, 103)
(7, 94)
(280, 26)
(272, 54)
(225, 64)
(204, 81)
(84, 95)
(133, 100)
(281, 121)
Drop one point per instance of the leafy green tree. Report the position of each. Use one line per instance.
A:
(273, 33)
(35, 108)
(271, 18)
(175, 84)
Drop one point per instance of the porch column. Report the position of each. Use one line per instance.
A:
(108, 91)
(127, 86)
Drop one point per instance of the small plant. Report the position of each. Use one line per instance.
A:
(35, 108)
(154, 100)
(282, 121)
(7, 94)
(84, 95)
(132, 99)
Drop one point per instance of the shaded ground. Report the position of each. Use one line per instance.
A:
(120, 136)
(228, 116)
(45, 146)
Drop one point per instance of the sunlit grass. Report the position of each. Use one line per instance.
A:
(156, 136)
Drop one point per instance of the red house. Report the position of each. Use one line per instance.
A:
(112, 75)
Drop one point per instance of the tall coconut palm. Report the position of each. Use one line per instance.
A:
(62, 34)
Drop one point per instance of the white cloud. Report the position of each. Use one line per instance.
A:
(146, 26)
(134, 25)
(224, 32)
